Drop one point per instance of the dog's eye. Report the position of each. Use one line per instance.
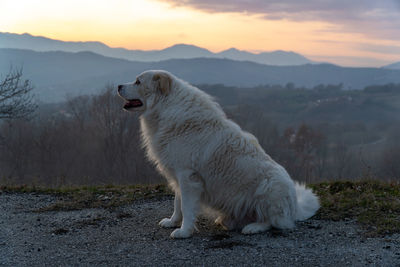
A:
(137, 82)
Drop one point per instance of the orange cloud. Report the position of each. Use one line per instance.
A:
(147, 25)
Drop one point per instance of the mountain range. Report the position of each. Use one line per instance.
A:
(178, 51)
(57, 74)
(395, 66)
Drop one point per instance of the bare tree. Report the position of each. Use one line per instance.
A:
(390, 162)
(16, 100)
(16, 149)
(342, 158)
(79, 109)
(302, 152)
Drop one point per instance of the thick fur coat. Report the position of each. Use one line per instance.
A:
(210, 161)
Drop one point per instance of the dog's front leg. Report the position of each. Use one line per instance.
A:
(191, 188)
(176, 217)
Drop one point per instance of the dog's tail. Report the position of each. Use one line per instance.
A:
(307, 202)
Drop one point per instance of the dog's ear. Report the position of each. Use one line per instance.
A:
(164, 83)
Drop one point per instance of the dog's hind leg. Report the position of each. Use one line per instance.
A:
(226, 223)
(191, 188)
(255, 228)
(176, 217)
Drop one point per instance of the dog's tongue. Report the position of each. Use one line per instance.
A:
(133, 103)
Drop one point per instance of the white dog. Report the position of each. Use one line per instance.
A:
(209, 160)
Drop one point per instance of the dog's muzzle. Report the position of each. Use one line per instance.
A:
(130, 103)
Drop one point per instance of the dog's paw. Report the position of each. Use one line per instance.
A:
(179, 233)
(255, 228)
(168, 223)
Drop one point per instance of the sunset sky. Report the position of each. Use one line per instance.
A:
(350, 33)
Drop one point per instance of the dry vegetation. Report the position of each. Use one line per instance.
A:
(317, 134)
(85, 197)
(374, 205)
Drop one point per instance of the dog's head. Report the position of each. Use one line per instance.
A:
(149, 88)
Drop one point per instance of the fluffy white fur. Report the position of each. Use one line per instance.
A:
(210, 161)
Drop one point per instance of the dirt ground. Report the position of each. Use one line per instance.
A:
(130, 235)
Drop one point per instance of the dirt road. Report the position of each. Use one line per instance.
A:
(130, 235)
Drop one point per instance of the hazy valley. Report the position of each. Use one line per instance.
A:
(344, 121)
(58, 74)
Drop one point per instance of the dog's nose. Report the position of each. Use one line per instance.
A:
(120, 87)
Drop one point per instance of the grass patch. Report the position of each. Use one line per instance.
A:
(373, 204)
(77, 198)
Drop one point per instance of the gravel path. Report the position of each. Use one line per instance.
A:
(130, 235)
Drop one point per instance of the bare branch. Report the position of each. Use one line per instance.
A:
(16, 100)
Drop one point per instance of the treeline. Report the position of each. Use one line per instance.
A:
(90, 140)
(291, 105)
(325, 151)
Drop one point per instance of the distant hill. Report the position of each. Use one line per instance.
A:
(57, 74)
(395, 66)
(277, 58)
(179, 51)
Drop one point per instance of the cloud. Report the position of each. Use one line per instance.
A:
(263, 6)
(373, 18)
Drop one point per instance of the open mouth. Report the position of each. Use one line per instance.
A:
(134, 103)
